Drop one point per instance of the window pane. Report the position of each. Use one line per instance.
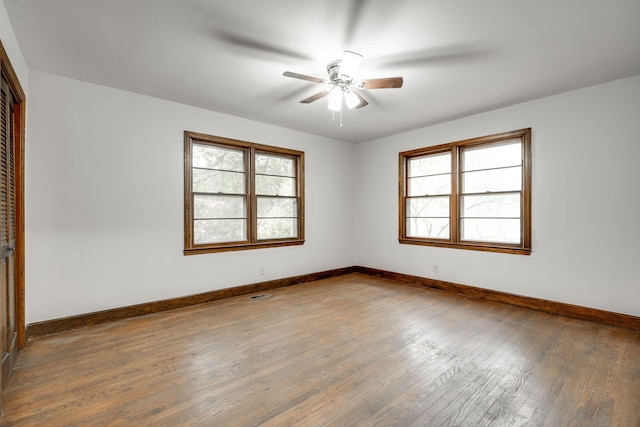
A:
(468, 194)
(493, 205)
(275, 186)
(212, 157)
(212, 181)
(274, 165)
(430, 165)
(491, 230)
(219, 230)
(277, 207)
(206, 207)
(428, 207)
(494, 156)
(509, 179)
(436, 228)
(429, 185)
(277, 228)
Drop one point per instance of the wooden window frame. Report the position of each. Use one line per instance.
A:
(250, 149)
(456, 148)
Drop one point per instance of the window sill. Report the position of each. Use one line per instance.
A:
(240, 247)
(469, 246)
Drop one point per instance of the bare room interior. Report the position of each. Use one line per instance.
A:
(349, 213)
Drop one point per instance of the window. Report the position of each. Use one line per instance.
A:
(472, 194)
(241, 195)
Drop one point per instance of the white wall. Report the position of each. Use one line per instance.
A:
(586, 201)
(104, 201)
(10, 43)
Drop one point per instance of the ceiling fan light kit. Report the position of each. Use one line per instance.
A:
(335, 99)
(351, 99)
(342, 83)
(349, 65)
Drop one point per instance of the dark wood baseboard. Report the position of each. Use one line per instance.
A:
(558, 308)
(552, 307)
(48, 327)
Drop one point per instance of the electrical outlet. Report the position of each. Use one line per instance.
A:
(263, 270)
(435, 268)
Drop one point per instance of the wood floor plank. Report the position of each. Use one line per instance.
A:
(349, 350)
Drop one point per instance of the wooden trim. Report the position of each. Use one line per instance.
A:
(196, 250)
(468, 246)
(402, 199)
(300, 195)
(48, 327)
(10, 75)
(454, 198)
(12, 78)
(552, 307)
(188, 194)
(251, 197)
(527, 182)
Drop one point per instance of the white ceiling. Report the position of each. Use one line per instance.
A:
(457, 57)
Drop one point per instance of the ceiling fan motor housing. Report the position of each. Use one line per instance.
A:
(333, 68)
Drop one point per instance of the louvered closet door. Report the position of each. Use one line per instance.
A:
(7, 230)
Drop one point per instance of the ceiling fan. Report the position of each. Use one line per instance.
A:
(342, 83)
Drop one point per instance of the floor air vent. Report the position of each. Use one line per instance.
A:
(261, 296)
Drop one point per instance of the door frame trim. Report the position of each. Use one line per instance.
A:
(16, 88)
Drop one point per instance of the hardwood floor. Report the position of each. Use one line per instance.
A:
(353, 350)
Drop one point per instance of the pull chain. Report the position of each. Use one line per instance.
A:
(333, 116)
